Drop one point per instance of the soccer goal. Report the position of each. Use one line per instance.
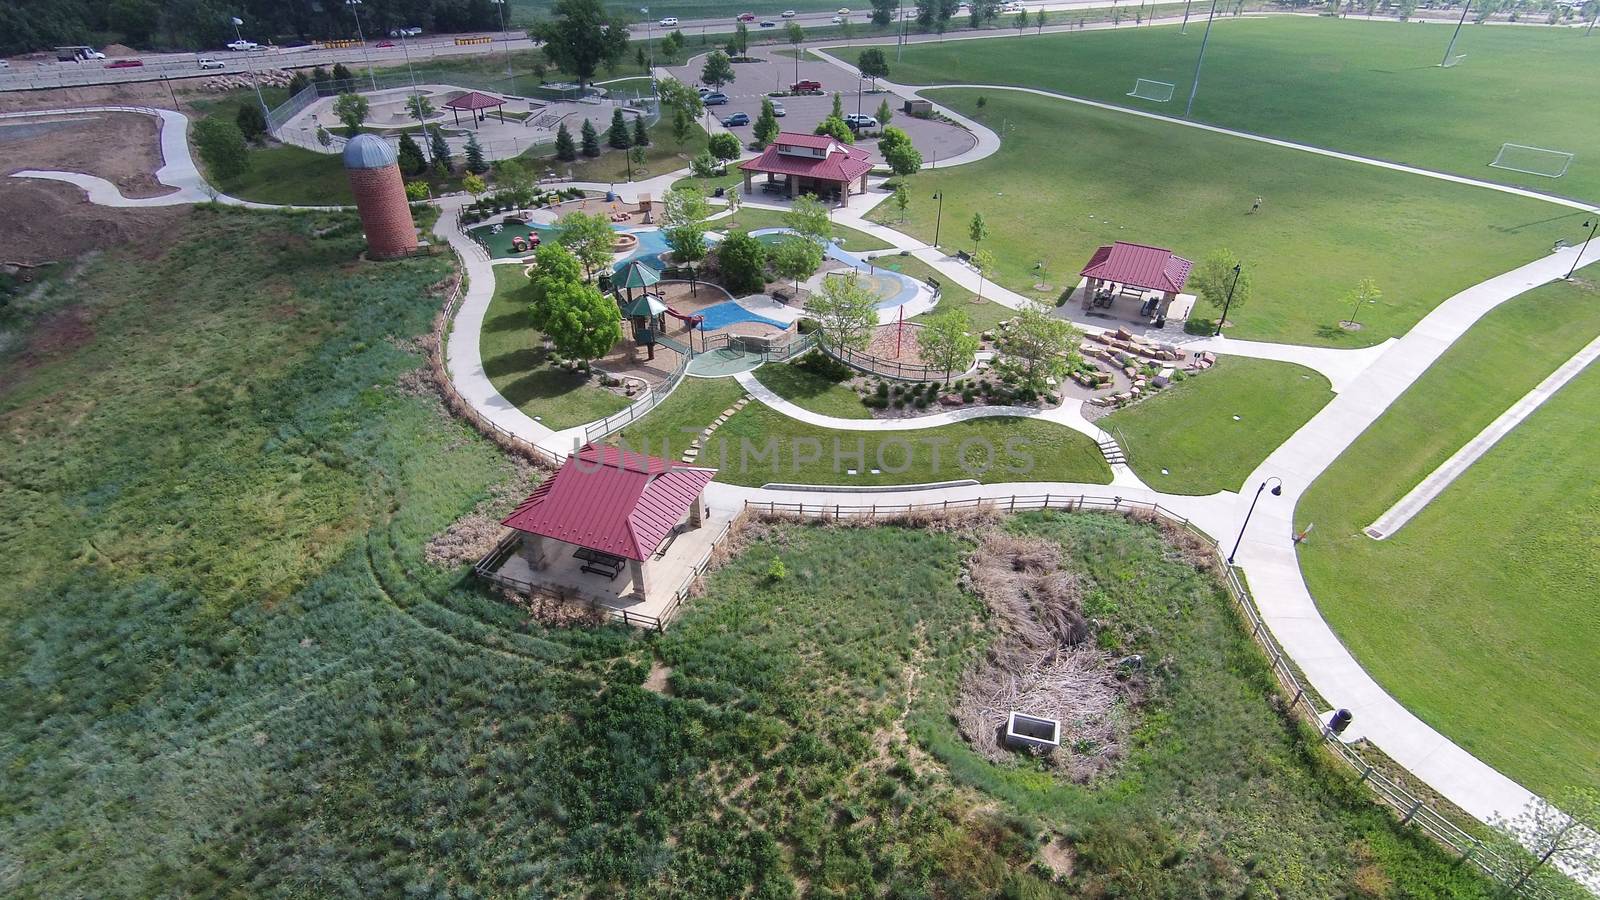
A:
(1145, 89)
(1532, 160)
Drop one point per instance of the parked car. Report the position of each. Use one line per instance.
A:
(788, 14)
(715, 98)
(207, 62)
(125, 64)
(669, 22)
(806, 87)
(859, 121)
(746, 17)
(769, 24)
(778, 110)
(384, 45)
(242, 45)
(736, 119)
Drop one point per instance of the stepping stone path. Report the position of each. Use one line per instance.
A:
(704, 438)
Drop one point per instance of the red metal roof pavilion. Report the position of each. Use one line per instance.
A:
(613, 501)
(472, 101)
(1139, 265)
(809, 161)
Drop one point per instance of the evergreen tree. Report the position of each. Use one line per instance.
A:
(641, 135)
(251, 121)
(475, 161)
(566, 150)
(617, 135)
(442, 160)
(591, 139)
(682, 126)
(766, 128)
(341, 74)
(838, 106)
(410, 156)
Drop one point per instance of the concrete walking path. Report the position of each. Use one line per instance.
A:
(1432, 486)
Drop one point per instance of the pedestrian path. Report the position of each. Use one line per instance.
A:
(1432, 486)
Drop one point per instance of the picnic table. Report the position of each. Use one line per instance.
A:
(597, 563)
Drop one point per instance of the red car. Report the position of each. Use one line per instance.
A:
(382, 44)
(125, 64)
(747, 17)
(806, 87)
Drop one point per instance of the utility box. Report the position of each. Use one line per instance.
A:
(1036, 732)
(918, 107)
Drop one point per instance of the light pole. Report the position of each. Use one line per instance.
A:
(255, 81)
(645, 11)
(1195, 87)
(416, 99)
(859, 82)
(1459, 22)
(356, 14)
(1593, 225)
(938, 217)
(1185, 28)
(1277, 491)
(1237, 268)
(504, 36)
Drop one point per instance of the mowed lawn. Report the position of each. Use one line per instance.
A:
(1208, 432)
(1373, 88)
(1479, 615)
(519, 366)
(1069, 178)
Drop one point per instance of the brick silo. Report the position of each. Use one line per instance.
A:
(380, 197)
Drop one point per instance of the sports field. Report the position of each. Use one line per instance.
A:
(1479, 614)
(1373, 88)
(1069, 178)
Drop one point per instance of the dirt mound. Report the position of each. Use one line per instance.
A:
(1044, 662)
(51, 221)
(115, 50)
(124, 149)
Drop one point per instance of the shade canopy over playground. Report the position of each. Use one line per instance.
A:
(472, 102)
(636, 274)
(647, 306)
(1138, 266)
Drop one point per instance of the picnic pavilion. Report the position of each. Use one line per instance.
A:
(613, 528)
(1151, 277)
(473, 103)
(815, 164)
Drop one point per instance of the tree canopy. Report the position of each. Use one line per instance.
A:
(946, 341)
(796, 258)
(743, 262)
(221, 146)
(1037, 347)
(846, 311)
(873, 64)
(588, 237)
(718, 69)
(1212, 279)
(903, 158)
(351, 109)
(809, 218)
(582, 37)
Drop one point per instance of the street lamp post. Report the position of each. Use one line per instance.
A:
(1277, 491)
(938, 217)
(1195, 87)
(859, 82)
(504, 36)
(356, 14)
(1237, 268)
(255, 80)
(645, 11)
(1593, 226)
(416, 99)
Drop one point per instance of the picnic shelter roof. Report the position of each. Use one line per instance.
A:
(636, 274)
(612, 501)
(1139, 265)
(841, 162)
(474, 100)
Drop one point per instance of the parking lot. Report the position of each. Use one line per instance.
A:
(754, 80)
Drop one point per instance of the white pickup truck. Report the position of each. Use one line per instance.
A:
(242, 45)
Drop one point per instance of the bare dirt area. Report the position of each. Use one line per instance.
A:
(132, 93)
(49, 221)
(123, 148)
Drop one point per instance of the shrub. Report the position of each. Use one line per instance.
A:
(922, 402)
(824, 366)
(899, 403)
(807, 325)
(882, 389)
(966, 396)
(776, 571)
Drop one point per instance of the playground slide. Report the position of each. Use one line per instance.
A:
(693, 320)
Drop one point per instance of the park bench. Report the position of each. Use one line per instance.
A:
(597, 563)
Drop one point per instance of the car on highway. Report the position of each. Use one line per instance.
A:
(745, 17)
(242, 45)
(837, 20)
(769, 24)
(843, 11)
(413, 31)
(669, 22)
(857, 121)
(736, 119)
(207, 62)
(715, 98)
(788, 14)
(384, 45)
(778, 110)
(125, 64)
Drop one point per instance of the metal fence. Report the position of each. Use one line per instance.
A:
(1412, 809)
(612, 424)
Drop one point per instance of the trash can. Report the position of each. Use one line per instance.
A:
(1340, 721)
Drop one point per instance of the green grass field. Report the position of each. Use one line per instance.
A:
(227, 667)
(1040, 451)
(519, 367)
(1069, 178)
(662, 156)
(1188, 429)
(1372, 88)
(811, 391)
(1478, 614)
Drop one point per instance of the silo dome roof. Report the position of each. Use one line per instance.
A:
(368, 151)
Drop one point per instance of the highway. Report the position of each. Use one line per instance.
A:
(24, 75)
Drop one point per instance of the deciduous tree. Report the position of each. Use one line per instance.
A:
(946, 341)
(1037, 347)
(846, 311)
(873, 64)
(718, 70)
(221, 146)
(1215, 276)
(351, 109)
(835, 127)
(743, 262)
(766, 128)
(903, 158)
(588, 237)
(977, 229)
(809, 218)
(724, 145)
(582, 37)
(796, 258)
(251, 121)
(1366, 291)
